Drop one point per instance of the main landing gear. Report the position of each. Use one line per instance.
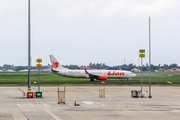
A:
(92, 79)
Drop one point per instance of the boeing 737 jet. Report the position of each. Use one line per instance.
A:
(58, 69)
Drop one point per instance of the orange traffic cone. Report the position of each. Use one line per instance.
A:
(75, 103)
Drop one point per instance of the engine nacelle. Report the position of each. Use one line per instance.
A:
(102, 77)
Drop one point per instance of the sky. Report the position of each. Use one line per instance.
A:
(80, 32)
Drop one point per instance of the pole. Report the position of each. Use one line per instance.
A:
(29, 49)
(141, 77)
(39, 80)
(138, 64)
(149, 59)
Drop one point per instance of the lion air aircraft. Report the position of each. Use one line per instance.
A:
(58, 69)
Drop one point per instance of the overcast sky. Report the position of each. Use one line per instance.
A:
(90, 31)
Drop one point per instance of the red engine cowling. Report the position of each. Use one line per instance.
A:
(102, 77)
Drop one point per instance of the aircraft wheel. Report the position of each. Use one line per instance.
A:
(92, 79)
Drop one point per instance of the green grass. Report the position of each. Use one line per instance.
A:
(48, 76)
(44, 76)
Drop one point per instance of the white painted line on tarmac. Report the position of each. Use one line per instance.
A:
(18, 104)
(88, 102)
(44, 104)
(31, 104)
(50, 113)
(174, 110)
(100, 103)
(2, 112)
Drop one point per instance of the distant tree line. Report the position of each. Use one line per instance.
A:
(97, 66)
(71, 66)
(124, 66)
(103, 66)
(18, 68)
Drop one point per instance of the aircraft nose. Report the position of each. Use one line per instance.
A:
(134, 75)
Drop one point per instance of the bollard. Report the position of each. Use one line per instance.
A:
(24, 95)
(34, 95)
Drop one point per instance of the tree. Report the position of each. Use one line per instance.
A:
(124, 67)
(173, 66)
(130, 67)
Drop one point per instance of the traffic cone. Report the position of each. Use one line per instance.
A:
(75, 103)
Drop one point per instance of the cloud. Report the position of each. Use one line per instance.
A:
(125, 9)
(122, 9)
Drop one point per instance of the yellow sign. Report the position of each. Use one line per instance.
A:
(141, 55)
(141, 51)
(38, 60)
(169, 82)
(34, 82)
(102, 82)
(38, 65)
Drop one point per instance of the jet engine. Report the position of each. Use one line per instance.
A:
(102, 77)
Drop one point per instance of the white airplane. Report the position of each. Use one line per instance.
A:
(58, 69)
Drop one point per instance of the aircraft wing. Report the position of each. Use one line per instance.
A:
(96, 76)
(90, 75)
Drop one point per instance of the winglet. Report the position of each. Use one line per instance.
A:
(76, 68)
(86, 71)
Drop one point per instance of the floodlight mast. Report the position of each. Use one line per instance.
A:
(29, 49)
(150, 57)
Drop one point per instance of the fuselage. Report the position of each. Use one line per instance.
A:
(58, 69)
(82, 74)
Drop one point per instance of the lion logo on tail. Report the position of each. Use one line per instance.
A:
(55, 64)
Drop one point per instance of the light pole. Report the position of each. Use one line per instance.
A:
(149, 59)
(29, 49)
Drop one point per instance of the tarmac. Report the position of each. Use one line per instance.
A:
(117, 104)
